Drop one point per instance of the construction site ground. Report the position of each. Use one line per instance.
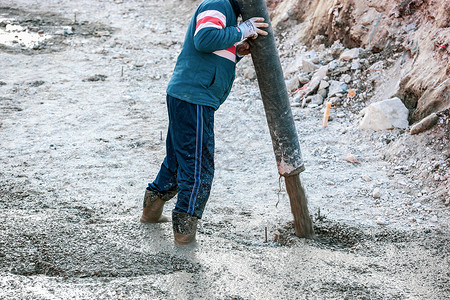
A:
(82, 131)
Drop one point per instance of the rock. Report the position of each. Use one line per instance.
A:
(96, 77)
(346, 78)
(316, 99)
(296, 99)
(356, 65)
(66, 30)
(304, 79)
(385, 114)
(350, 54)
(377, 66)
(366, 178)
(294, 66)
(292, 84)
(376, 193)
(333, 65)
(336, 87)
(323, 85)
(334, 100)
(351, 158)
(434, 219)
(249, 73)
(323, 93)
(382, 221)
(336, 49)
(315, 81)
(425, 124)
(308, 66)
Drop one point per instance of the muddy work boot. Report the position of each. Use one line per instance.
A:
(184, 228)
(153, 206)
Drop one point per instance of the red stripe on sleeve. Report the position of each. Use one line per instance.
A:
(210, 20)
(232, 49)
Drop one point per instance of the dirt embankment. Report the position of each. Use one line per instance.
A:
(406, 46)
(418, 29)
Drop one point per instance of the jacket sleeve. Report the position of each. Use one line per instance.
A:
(211, 33)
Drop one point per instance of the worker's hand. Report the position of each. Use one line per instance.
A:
(251, 28)
(243, 48)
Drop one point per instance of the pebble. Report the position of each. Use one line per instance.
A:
(333, 65)
(297, 99)
(356, 65)
(382, 221)
(346, 78)
(336, 87)
(366, 178)
(316, 99)
(434, 219)
(376, 193)
(303, 79)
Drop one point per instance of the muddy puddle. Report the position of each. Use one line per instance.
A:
(43, 32)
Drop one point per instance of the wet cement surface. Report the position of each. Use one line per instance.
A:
(76, 155)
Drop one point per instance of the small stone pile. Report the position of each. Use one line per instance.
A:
(344, 77)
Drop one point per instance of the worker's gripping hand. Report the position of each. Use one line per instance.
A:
(251, 28)
(243, 48)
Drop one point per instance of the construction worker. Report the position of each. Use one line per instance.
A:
(201, 81)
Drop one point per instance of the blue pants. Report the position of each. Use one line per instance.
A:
(189, 162)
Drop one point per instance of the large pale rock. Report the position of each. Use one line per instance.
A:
(350, 54)
(385, 114)
(323, 85)
(292, 84)
(308, 66)
(294, 66)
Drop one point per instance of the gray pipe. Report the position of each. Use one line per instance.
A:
(274, 93)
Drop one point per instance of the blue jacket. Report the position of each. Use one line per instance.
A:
(205, 69)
